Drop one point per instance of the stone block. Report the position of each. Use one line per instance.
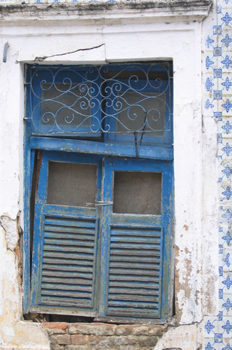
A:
(140, 330)
(124, 330)
(147, 341)
(60, 339)
(79, 339)
(95, 339)
(57, 347)
(92, 329)
(157, 330)
(77, 347)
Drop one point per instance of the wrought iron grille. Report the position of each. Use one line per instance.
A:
(110, 100)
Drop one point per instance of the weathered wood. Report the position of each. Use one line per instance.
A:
(133, 291)
(136, 266)
(68, 249)
(72, 269)
(69, 236)
(70, 275)
(63, 302)
(135, 232)
(134, 278)
(66, 242)
(135, 252)
(127, 304)
(143, 298)
(136, 285)
(134, 259)
(133, 312)
(130, 320)
(138, 272)
(71, 230)
(55, 261)
(141, 247)
(67, 287)
(134, 240)
(67, 293)
(68, 281)
(55, 222)
(68, 256)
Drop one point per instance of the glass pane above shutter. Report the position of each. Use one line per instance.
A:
(72, 184)
(137, 192)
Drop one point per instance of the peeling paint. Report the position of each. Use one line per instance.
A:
(10, 227)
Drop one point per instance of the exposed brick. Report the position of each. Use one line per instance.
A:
(60, 339)
(92, 329)
(55, 325)
(79, 339)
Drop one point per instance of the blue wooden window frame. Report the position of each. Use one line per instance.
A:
(119, 154)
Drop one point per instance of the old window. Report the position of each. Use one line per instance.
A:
(98, 158)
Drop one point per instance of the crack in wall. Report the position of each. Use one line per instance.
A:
(43, 58)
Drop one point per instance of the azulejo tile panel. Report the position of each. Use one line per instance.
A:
(218, 104)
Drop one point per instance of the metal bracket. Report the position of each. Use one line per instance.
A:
(5, 51)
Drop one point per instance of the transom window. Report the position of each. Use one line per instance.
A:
(99, 160)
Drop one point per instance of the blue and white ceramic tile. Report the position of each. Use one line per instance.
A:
(218, 84)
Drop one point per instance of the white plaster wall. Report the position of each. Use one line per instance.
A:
(195, 221)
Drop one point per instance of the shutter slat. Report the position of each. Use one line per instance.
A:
(65, 302)
(68, 249)
(134, 291)
(135, 232)
(136, 285)
(149, 267)
(133, 278)
(70, 275)
(131, 271)
(135, 252)
(63, 261)
(134, 259)
(55, 222)
(134, 273)
(139, 240)
(74, 294)
(68, 243)
(135, 246)
(69, 236)
(67, 255)
(132, 297)
(68, 270)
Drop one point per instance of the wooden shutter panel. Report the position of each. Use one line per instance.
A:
(68, 262)
(64, 251)
(135, 271)
(136, 249)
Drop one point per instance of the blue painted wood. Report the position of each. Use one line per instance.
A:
(28, 170)
(107, 149)
(117, 231)
(152, 235)
(65, 244)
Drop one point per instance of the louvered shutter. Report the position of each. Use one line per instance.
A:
(64, 252)
(135, 248)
